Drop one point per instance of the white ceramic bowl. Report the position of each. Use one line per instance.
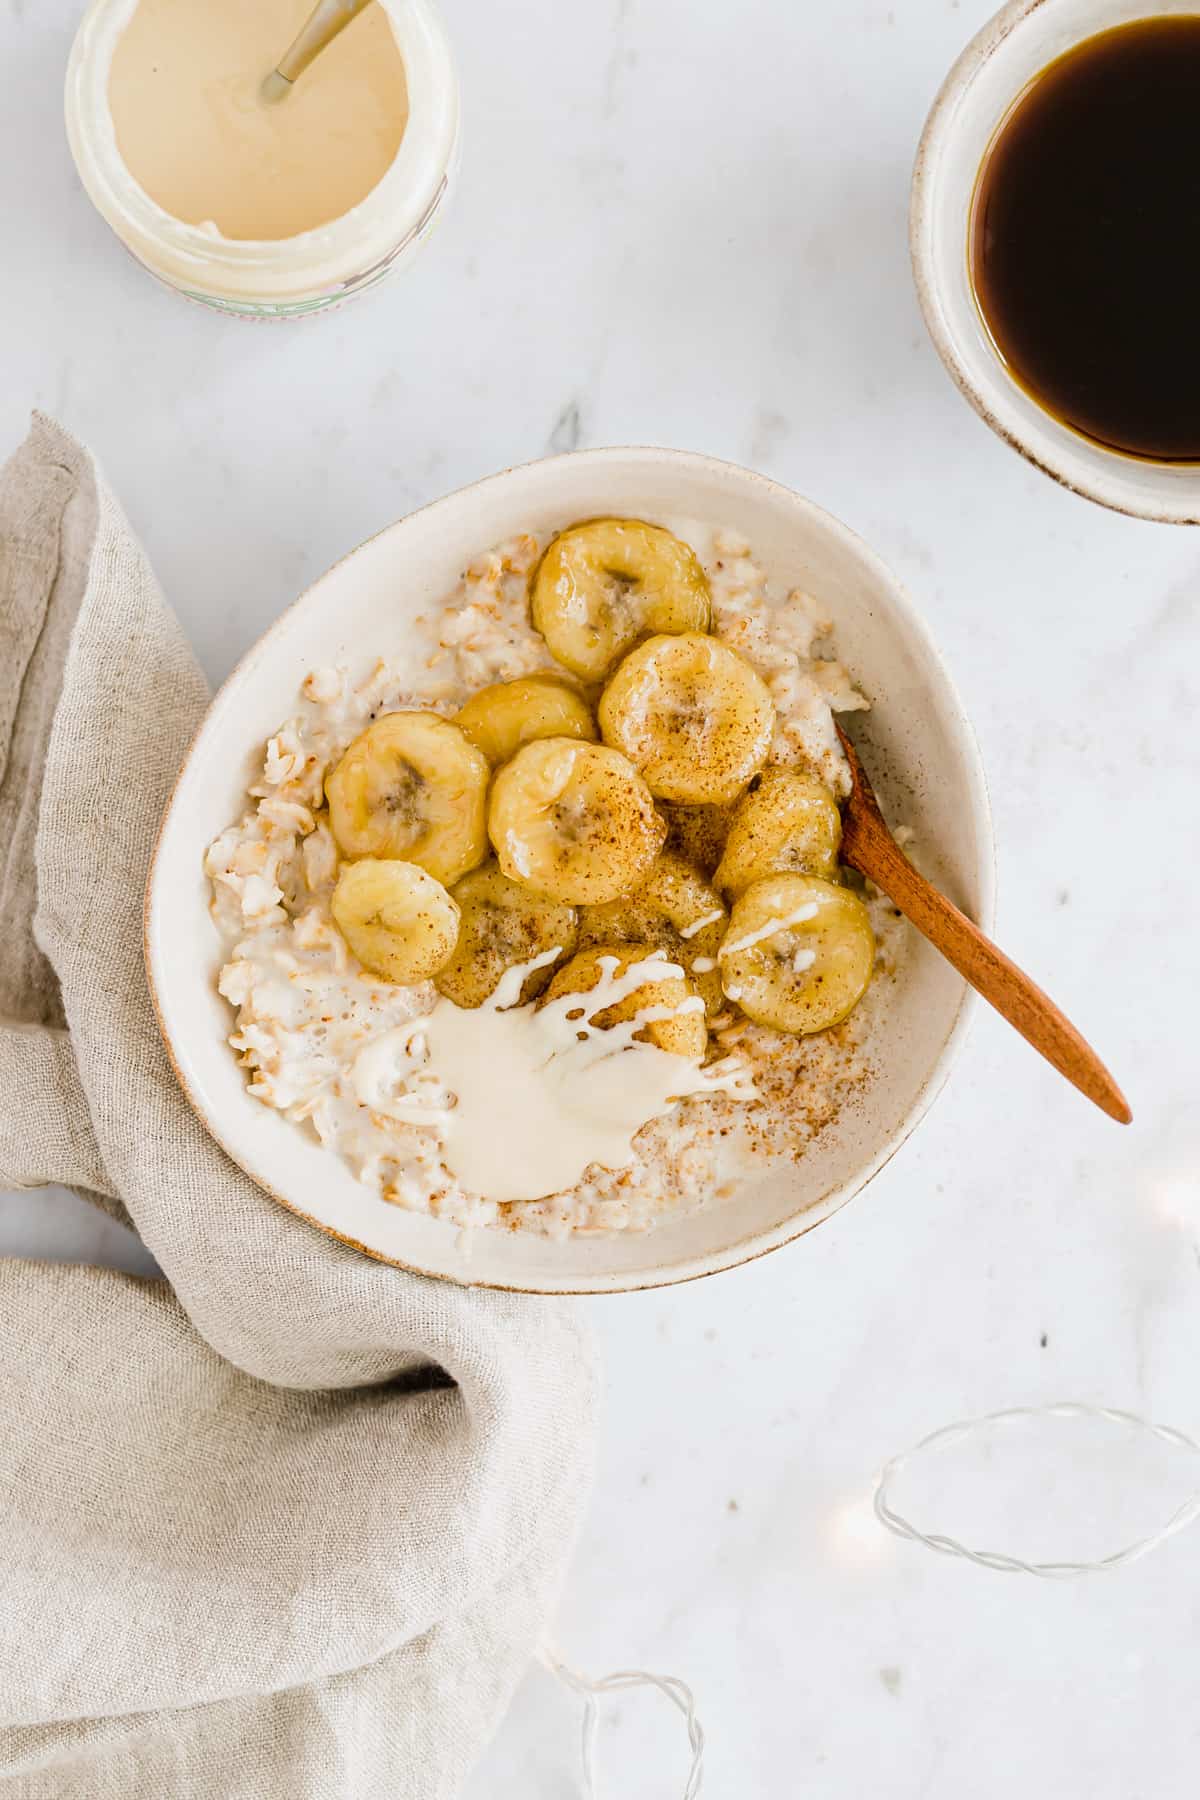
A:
(988, 77)
(916, 742)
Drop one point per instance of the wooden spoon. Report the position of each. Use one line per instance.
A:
(869, 847)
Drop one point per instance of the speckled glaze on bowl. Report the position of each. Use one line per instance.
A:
(976, 96)
(917, 744)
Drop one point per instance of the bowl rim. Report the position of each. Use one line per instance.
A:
(755, 1244)
(1105, 487)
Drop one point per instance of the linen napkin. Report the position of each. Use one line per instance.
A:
(290, 1522)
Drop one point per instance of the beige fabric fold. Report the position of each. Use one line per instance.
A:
(290, 1522)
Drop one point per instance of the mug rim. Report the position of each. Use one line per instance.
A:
(1110, 483)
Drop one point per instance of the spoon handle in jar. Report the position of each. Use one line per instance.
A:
(327, 20)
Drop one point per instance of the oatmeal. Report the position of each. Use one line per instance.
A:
(650, 884)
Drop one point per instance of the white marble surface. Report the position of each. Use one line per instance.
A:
(684, 222)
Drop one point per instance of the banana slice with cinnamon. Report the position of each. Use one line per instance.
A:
(684, 1033)
(503, 924)
(499, 719)
(603, 584)
(788, 825)
(573, 821)
(673, 908)
(411, 786)
(692, 715)
(697, 833)
(798, 953)
(397, 918)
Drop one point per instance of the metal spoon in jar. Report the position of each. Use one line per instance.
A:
(869, 847)
(328, 19)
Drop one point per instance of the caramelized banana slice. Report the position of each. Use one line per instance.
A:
(789, 825)
(399, 921)
(502, 924)
(683, 1035)
(691, 715)
(673, 909)
(499, 719)
(411, 786)
(606, 583)
(697, 833)
(798, 953)
(573, 821)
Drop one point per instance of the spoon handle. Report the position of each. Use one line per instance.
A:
(869, 847)
(327, 20)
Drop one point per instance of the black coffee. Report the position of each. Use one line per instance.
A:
(1085, 239)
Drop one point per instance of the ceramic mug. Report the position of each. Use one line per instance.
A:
(992, 72)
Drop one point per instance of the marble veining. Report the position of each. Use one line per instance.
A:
(681, 221)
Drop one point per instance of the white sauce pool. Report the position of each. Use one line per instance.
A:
(525, 1098)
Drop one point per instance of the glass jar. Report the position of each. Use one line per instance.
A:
(283, 277)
